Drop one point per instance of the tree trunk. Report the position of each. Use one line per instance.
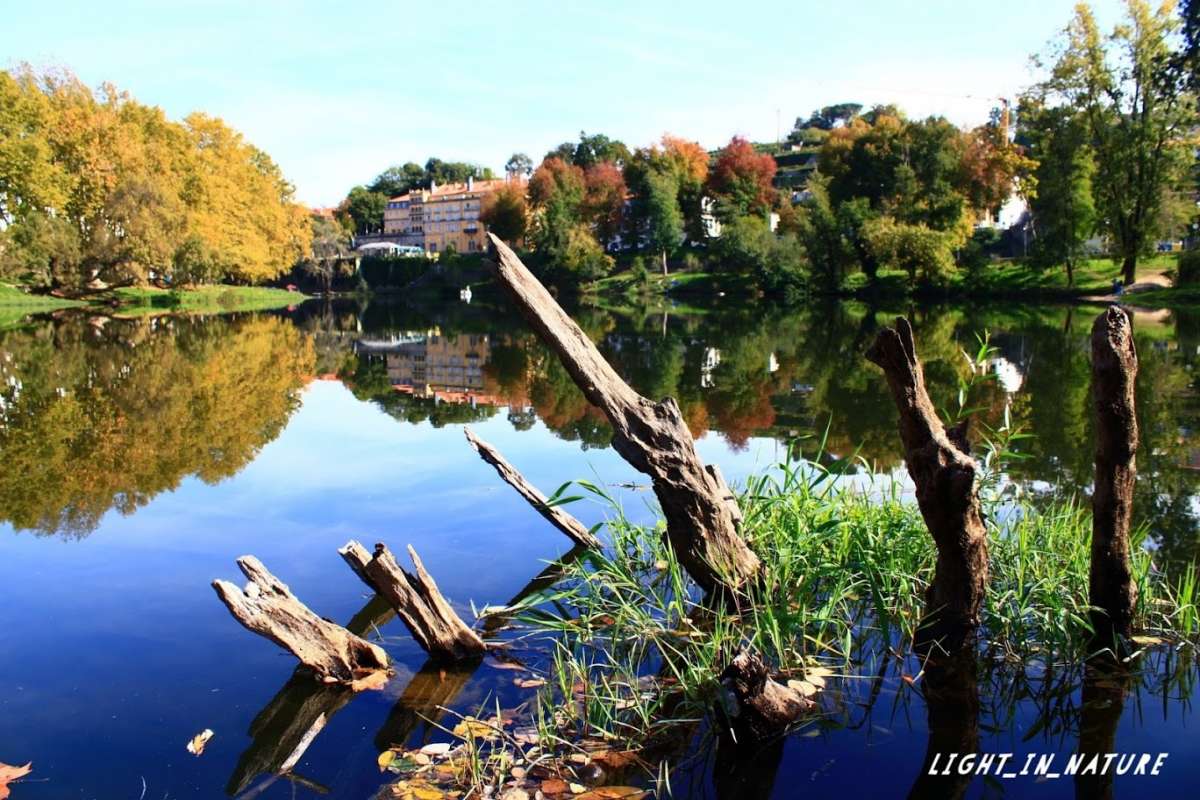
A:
(767, 706)
(1129, 269)
(951, 689)
(416, 598)
(702, 522)
(267, 607)
(939, 463)
(1101, 704)
(1070, 272)
(556, 515)
(664, 263)
(1114, 372)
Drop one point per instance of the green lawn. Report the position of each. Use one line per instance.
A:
(1094, 276)
(16, 304)
(204, 299)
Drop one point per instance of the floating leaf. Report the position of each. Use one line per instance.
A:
(803, 688)
(385, 759)
(9, 774)
(436, 749)
(197, 743)
(1146, 641)
(614, 793)
(576, 788)
(528, 683)
(374, 680)
(554, 786)
(471, 728)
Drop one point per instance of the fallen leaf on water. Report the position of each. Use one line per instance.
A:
(9, 774)
(528, 683)
(803, 688)
(436, 749)
(372, 681)
(576, 788)
(615, 759)
(515, 794)
(196, 745)
(1147, 640)
(385, 759)
(416, 790)
(613, 793)
(909, 679)
(554, 786)
(471, 728)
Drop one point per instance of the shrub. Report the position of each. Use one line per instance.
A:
(1188, 268)
(584, 256)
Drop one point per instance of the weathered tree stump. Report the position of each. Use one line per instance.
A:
(767, 706)
(556, 515)
(267, 607)
(940, 465)
(1114, 372)
(701, 524)
(417, 601)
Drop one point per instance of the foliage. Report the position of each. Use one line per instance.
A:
(663, 214)
(556, 191)
(100, 189)
(1063, 210)
(1131, 93)
(584, 257)
(1188, 270)
(362, 210)
(519, 164)
(505, 213)
(604, 200)
(741, 179)
(329, 254)
(923, 253)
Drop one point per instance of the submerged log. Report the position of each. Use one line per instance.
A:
(940, 465)
(652, 437)
(267, 607)
(430, 619)
(556, 515)
(1112, 590)
(767, 706)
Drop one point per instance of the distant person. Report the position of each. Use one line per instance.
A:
(1118, 287)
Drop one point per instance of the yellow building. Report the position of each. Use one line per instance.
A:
(441, 216)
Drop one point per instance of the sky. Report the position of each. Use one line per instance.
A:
(337, 92)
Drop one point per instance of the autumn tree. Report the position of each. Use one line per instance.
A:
(604, 199)
(505, 213)
(557, 190)
(1131, 92)
(741, 179)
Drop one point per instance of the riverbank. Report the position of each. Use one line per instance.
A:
(16, 303)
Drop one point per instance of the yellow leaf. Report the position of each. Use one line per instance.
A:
(196, 745)
(385, 759)
(471, 728)
(803, 688)
(1147, 640)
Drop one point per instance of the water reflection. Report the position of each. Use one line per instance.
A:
(105, 414)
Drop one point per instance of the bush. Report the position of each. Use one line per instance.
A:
(977, 253)
(1188, 268)
(922, 252)
(584, 257)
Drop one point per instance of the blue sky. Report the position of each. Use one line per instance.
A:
(335, 94)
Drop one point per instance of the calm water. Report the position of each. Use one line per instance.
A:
(140, 458)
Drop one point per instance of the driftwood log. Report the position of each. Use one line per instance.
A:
(430, 619)
(767, 706)
(556, 515)
(940, 465)
(1113, 593)
(702, 525)
(267, 607)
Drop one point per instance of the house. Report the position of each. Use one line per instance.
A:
(442, 217)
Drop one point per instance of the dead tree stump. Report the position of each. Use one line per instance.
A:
(557, 516)
(702, 526)
(267, 607)
(417, 601)
(940, 465)
(767, 706)
(1114, 371)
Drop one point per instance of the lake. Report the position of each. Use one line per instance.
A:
(140, 457)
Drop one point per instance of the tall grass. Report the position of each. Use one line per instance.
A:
(845, 572)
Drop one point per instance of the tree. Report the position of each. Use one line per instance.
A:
(741, 179)
(557, 191)
(504, 212)
(329, 253)
(398, 180)
(519, 164)
(686, 163)
(364, 208)
(604, 199)
(1130, 91)
(662, 210)
(827, 118)
(598, 148)
(1064, 214)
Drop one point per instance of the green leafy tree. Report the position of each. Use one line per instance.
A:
(364, 208)
(519, 164)
(557, 191)
(1064, 214)
(665, 220)
(1131, 93)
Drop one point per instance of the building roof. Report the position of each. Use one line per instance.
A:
(476, 188)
